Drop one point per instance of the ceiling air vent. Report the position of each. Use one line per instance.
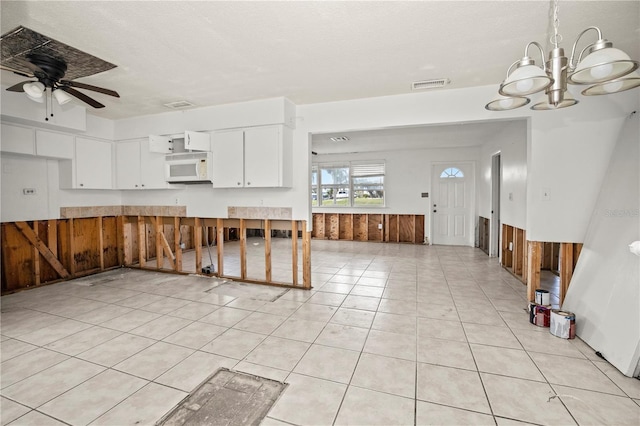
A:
(430, 84)
(179, 104)
(339, 138)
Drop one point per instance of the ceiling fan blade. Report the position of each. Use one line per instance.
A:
(18, 87)
(33, 67)
(16, 71)
(84, 98)
(90, 87)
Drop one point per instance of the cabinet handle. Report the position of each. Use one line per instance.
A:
(136, 185)
(238, 183)
(82, 184)
(143, 185)
(248, 183)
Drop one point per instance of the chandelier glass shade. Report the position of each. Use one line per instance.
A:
(606, 69)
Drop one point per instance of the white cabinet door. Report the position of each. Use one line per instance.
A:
(54, 145)
(152, 168)
(197, 141)
(263, 157)
(160, 144)
(128, 165)
(228, 159)
(93, 164)
(19, 140)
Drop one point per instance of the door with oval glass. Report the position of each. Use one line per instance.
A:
(452, 204)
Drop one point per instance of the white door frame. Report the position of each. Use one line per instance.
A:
(494, 220)
(472, 197)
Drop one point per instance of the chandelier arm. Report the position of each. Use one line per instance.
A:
(572, 66)
(535, 43)
(511, 67)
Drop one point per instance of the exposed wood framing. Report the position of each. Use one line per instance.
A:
(177, 240)
(397, 228)
(267, 250)
(566, 269)
(220, 243)
(294, 252)
(197, 237)
(41, 249)
(534, 251)
(243, 249)
(142, 238)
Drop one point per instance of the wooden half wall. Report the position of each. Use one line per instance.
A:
(40, 252)
(395, 228)
(525, 259)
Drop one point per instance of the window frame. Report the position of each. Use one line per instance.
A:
(363, 169)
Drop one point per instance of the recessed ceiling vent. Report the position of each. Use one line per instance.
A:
(429, 84)
(340, 138)
(179, 104)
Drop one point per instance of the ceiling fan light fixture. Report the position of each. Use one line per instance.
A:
(34, 90)
(61, 96)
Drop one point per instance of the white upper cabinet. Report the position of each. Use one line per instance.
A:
(18, 140)
(197, 141)
(138, 167)
(93, 164)
(256, 157)
(228, 159)
(160, 144)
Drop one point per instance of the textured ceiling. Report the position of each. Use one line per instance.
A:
(215, 52)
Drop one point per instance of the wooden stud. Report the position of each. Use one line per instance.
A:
(52, 236)
(267, 249)
(294, 251)
(177, 240)
(220, 244)
(100, 241)
(197, 242)
(566, 269)
(142, 242)
(36, 257)
(577, 249)
(306, 257)
(156, 222)
(42, 249)
(243, 249)
(72, 248)
(534, 251)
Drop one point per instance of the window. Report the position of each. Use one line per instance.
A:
(345, 185)
(451, 172)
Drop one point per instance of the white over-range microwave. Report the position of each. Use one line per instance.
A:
(189, 167)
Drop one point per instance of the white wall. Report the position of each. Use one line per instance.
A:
(511, 143)
(605, 292)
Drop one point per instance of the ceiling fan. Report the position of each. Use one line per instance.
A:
(49, 72)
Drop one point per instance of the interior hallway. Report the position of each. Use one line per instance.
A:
(390, 334)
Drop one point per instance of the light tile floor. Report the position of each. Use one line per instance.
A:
(390, 335)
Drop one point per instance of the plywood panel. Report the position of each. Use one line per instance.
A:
(507, 239)
(407, 226)
(374, 233)
(332, 226)
(86, 253)
(17, 259)
(346, 226)
(318, 225)
(360, 227)
(419, 229)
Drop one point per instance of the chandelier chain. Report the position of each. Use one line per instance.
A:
(556, 38)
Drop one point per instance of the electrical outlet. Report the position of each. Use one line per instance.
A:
(183, 246)
(379, 226)
(29, 191)
(177, 201)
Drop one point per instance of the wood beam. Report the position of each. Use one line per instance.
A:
(142, 242)
(100, 241)
(294, 251)
(197, 243)
(177, 240)
(534, 251)
(306, 257)
(42, 249)
(36, 257)
(72, 249)
(220, 245)
(52, 236)
(243, 249)
(267, 249)
(566, 269)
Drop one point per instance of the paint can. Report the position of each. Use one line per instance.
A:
(563, 324)
(539, 315)
(542, 297)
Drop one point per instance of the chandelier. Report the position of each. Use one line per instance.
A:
(601, 66)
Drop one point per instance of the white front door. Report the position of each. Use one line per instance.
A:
(453, 186)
